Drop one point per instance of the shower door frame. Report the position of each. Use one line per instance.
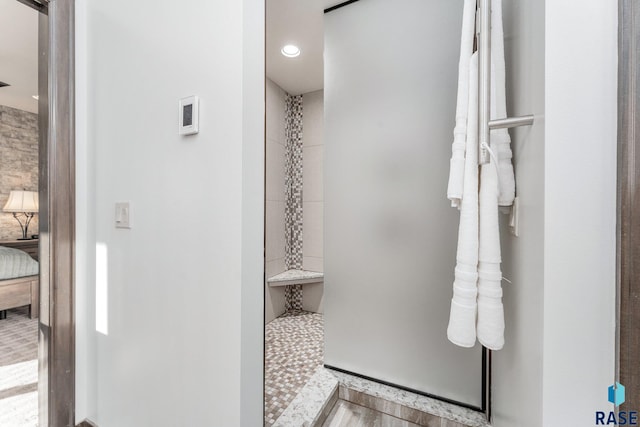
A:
(486, 353)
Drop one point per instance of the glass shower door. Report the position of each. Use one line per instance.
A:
(390, 233)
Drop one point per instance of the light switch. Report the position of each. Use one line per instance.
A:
(123, 215)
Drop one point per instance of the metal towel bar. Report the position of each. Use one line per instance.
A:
(511, 122)
(484, 87)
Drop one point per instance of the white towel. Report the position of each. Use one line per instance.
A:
(456, 170)
(497, 188)
(490, 327)
(462, 318)
(476, 306)
(500, 139)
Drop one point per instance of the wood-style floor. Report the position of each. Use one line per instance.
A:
(347, 414)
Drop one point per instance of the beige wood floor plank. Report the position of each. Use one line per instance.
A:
(347, 414)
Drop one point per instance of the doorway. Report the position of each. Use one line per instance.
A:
(355, 217)
(19, 261)
(294, 288)
(56, 191)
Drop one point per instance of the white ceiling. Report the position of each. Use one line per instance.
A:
(298, 22)
(18, 55)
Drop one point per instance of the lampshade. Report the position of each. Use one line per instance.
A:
(22, 201)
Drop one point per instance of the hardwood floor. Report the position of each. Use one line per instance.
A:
(349, 414)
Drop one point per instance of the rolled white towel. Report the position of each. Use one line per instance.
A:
(490, 327)
(500, 139)
(456, 164)
(462, 318)
(476, 306)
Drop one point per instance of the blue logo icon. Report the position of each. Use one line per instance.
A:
(616, 418)
(616, 394)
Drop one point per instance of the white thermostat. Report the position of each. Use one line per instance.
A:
(188, 124)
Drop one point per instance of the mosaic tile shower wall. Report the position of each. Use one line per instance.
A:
(293, 182)
(293, 194)
(293, 297)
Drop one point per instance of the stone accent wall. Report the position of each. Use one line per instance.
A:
(18, 164)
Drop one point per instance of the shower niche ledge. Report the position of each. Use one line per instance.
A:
(295, 277)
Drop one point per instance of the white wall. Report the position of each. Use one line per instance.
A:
(275, 198)
(153, 314)
(312, 195)
(580, 209)
(253, 159)
(517, 368)
(559, 355)
(86, 337)
(184, 286)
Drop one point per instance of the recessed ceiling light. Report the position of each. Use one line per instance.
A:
(36, 97)
(290, 51)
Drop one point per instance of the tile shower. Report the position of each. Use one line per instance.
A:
(294, 199)
(293, 182)
(293, 313)
(293, 351)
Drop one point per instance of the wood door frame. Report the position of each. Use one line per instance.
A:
(56, 328)
(628, 227)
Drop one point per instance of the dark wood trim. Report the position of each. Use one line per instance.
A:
(57, 215)
(628, 238)
(87, 423)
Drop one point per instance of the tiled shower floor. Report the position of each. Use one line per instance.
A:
(294, 344)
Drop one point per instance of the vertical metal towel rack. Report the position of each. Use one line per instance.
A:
(484, 87)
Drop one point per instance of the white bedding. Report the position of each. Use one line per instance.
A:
(16, 263)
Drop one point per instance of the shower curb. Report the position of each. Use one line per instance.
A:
(312, 405)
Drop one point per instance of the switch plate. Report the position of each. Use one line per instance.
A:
(123, 215)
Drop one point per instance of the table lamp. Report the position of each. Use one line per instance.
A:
(25, 203)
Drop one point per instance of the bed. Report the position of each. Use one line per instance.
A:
(19, 283)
